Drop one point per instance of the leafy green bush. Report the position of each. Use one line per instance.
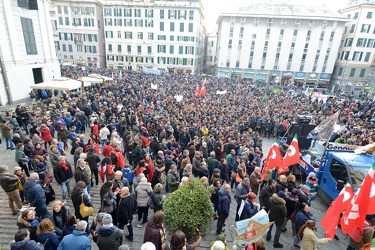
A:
(189, 209)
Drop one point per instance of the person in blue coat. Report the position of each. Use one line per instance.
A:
(35, 196)
(23, 241)
(46, 235)
(77, 240)
(251, 207)
(223, 207)
(302, 216)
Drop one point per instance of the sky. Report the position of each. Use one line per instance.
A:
(212, 8)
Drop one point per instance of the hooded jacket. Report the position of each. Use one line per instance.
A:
(46, 134)
(109, 237)
(8, 182)
(22, 223)
(49, 239)
(77, 241)
(34, 193)
(26, 244)
(142, 193)
(277, 209)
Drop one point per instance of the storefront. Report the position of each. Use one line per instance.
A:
(299, 78)
(249, 75)
(261, 75)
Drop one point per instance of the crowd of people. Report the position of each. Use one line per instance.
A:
(143, 144)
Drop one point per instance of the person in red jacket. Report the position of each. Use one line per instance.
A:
(107, 149)
(46, 135)
(117, 158)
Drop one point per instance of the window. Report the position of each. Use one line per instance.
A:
(171, 38)
(119, 47)
(361, 42)
(28, 4)
(370, 43)
(340, 71)
(295, 32)
(118, 22)
(61, 22)
(230, 44)
(138, 22)
(338, 171)
(137, 13)
(118, 34)
(162, 37)
(171, 49)
(108, 21)
(140, 35)
(107, 12)
(269, 22)
(109, 34)
(28, 36)
(129, 48)
(355, 15)
(352, 28)
(64, 47)
(190, 27)
(59, 9)
(357, 56)
(149, 13)
(88, 22)
(117, 12)
(139, 49)
(127, 12)
(191, 14)
(365, 28)
(109, 47)
(367, 56)
(162, 48)
(161, 26)
(362, 73)
(181, 50)
(369, 15)
(128, 35)
(352, 72)
(149, 49)
(66, 20)
(161, 14)
(348, 42)
(149, 23)
(150, 36)
(70, 48)
(181, 27)
(171, 26)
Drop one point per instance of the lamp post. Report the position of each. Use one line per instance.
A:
(371, 74)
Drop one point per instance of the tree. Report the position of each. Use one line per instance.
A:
(189, 209)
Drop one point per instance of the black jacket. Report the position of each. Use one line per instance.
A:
(93, 160)
(264, 196)
(77, 201)
(126, 208)
(277, 209)
(61, 175)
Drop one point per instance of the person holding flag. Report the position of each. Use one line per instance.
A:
(291, 157)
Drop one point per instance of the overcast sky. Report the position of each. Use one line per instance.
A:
(212, 8)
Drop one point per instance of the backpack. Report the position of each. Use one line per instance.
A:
(150, 203)
(44, 94)
(49, 193)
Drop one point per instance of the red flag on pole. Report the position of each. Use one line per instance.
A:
(363, 203)
(203, 90)
(273, 159)
(332, 217)
(197, 90)
(291, 157)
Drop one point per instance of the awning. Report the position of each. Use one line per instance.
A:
(91, 79)
(61, 83)
(105, 78)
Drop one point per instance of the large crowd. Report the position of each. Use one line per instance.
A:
(144, 143)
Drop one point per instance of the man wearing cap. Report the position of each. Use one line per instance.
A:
(9, 183)
(255, 180)
(277, 214)
(266, 193)
(109, 236)
(241, 194)
(303, 195)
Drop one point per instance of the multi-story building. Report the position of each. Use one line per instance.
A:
(78, 32)
(355, 65)
(148, 35)
(27, 53)
(279, 42)
(210, 54)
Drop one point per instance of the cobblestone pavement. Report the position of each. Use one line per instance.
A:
(8, 226)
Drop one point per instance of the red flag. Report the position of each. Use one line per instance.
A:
(273, 159)
(197, 90)
(291, 157)
(332, 217)
(203, 90)
(363, 203)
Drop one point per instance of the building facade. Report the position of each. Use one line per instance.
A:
(210, 54)
(78, 32)
(279, 43)
(154, 36)
(355, 65)
(27, 53)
